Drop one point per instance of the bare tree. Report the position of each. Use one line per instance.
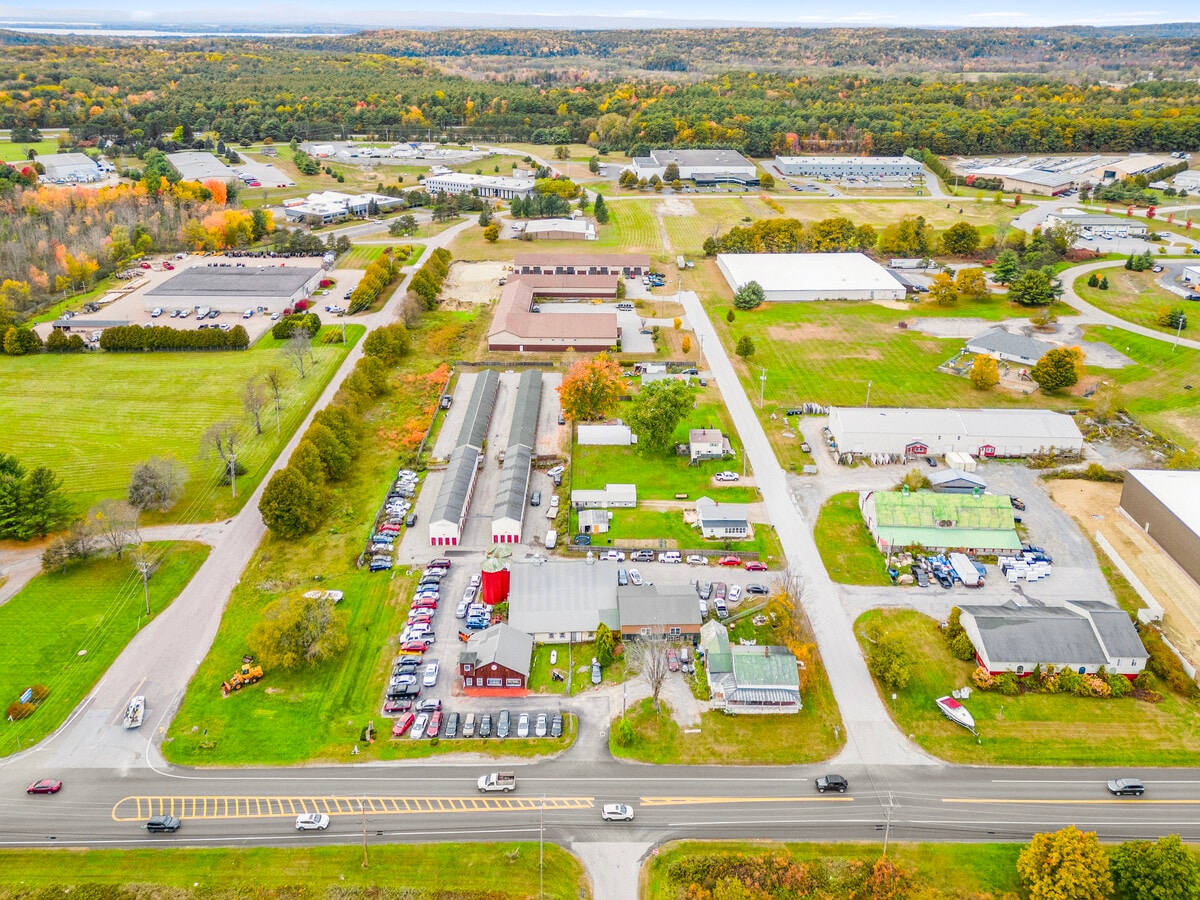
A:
(223, 440)
(156, 484)
(274, 381)
(254, 398)
(648, 657)
(297, 350)
(114, 522)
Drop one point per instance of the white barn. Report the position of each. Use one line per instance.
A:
(615, 435)
(790, 277)
(985, 433)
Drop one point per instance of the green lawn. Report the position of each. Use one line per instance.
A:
(576, 661)
(845, 544)
(320, 713)
(1134, 297)
(944, 871)
(18, 153)
(507, 871)
(632, 228)
(93, 417)
(1031, 729)
(95, 606)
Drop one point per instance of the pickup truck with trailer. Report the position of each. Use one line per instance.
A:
(497, 781)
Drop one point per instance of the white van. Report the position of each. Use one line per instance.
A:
(248, 314)
(625, 306)
(670, 556)
(551, 538)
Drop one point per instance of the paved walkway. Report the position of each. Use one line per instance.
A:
(1096, 316)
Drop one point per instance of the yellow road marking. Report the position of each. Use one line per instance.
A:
(1073, 802)
(702, 801)
(130, 809)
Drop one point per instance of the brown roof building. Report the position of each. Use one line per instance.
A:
(570, 263)
(516, 327)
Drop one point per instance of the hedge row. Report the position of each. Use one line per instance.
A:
(162, 337)
(378, 277)
(287, 326)
(777, 875)
(428, 281)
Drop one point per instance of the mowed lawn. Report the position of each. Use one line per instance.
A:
(631, 228)
(64, 629)
(845, 544)
(94, 417)
(502, 871)
(19, 153)
(1161, 388)
(1031, 729)
(1135, 297)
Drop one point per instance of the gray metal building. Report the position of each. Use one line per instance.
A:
(235, 288)
(454, 495)
(1166, 505)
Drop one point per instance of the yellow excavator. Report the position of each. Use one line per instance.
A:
(248, 674)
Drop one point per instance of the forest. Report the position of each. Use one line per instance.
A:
(248, 90)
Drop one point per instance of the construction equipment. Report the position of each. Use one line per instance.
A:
(248, 674)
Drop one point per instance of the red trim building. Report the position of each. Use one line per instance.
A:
(496, 662)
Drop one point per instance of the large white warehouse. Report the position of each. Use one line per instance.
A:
(843, 166)
(933, 432)
(811, 276)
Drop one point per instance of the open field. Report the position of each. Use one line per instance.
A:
(18, 153)
(1132, 296)
(459, 867)
(97, 606)
(846, 547)
(1030, 729)
(945, 871)
(631, 228)
(319, 713)
(93, 417)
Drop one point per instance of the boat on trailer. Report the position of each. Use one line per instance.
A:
(956, 712)
(135, 711)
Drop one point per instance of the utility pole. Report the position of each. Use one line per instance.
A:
(143, 566)
(762, 387)
(362, 805)
(868, 395)
(887, 829)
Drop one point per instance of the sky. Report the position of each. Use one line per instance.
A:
(588, 14)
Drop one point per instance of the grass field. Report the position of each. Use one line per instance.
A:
(1132, 296)
(503, 871)
(320, 713)
(631, 228)
(1032, 729)
(846, 547)
(1160, 388)
(93, 417)
(944, 871)
(95, 606)
(18, 153)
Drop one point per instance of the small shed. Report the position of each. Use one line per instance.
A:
(594, 521)
(955, 481)
(622, 496)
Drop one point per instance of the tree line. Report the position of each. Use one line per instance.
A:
(129, 338)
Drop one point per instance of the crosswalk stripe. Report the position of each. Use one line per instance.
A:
(130, 809)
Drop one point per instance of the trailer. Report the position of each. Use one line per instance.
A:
(965, 570)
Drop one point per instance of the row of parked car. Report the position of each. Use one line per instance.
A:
(395, 515)
(404, 686)
(427, 721)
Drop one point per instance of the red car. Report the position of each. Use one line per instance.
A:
(145, 265)
(421, 619)
(672, 661)
(419, 646)
(45, 786)
(755, 566)
(397, 706)
(403, 724)
(435, 724)
(168, 267)
(729, 561)
(425, 603)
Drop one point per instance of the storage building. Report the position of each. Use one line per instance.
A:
(699, 166)
(978, 523)
(74, 168)
(235, 288)
(558, 229)
(509, 512)
(931, 432)
(612, 496)
(1166, 505)
(844, 166)
(810, 276)
(1091, 223)
(563, 601)
(616, 435)
(200, 165)
(572, 262)
(955, 481)
(516, 327)
(454, 496)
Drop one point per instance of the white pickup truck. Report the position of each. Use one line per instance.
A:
(497, 781)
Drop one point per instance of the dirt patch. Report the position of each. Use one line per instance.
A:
(676, 206)
(1184, 423)
(1094, 507)
(472, 283)
(893, 304)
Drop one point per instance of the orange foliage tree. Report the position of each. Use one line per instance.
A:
(590, 389)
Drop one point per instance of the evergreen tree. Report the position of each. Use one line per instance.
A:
(599, 210)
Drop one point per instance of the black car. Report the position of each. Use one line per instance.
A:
(411, 520)
(406, 669)
(163, 823)
(556, 726)
(451, 729)
(932, 462)
(1017, 502)
(920, 576)
(756, 588)
(833, 783)
(485, 726)
(1125, 787)
(404, 692)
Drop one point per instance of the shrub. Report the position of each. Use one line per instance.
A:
(962, 648)
(40, 692)
(982, 679)
(18, 710)
(1164, 664)
(1008, 684)
(625, 733)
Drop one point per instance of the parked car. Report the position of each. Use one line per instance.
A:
(1017, 502)
(597, 675)
(703, 608)
(613, 556)
(729, 561)
(735, 594)
(418, 727)
(672, 660)
(461, 612)
(696, 559)
(535, 499)
(756, 587)
(434, 726)
(503, 723)
(451, 729)
(622, 578)
(540, 725)
(419, 646)
(635, 577)
(704, 589)
(485, 725)
(45, 786)
(431, 674)
(312, 822)
(469, 726)
(556, 726)
(641, 556)
(617, 812)
(920, 576)
(523, 725)
(726, 476)
(397, 706)
(931, 462)
(159, 824)
(832, 783)
(720, 591)
(755, 566)
(403, 724)
(1123, 787)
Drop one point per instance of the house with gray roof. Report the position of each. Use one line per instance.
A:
(954, 481)
(1004, 345)
(752, 679)
(1081, 635)
(496, 662)
(611, 496)
(672, 611)
(722, 520)
(563, 601)
(708, 443)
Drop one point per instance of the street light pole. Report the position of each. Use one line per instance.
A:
(762, 387)
(868, 395)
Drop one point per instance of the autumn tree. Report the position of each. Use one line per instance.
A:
(297, 631)
(960, 239)
(156, 484)
(971, 283)
(1162, 870)
(656, 411)
(491, 233)
(1065, 865)
(985, 372)
(942, 290)
(749, 296)
(389, 344)
(114, 522)
(686, 344)
(590, 389)
(745, 347)
(1056, 370)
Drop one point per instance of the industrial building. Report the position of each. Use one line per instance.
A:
(1128, 167)
(332, 206)
(1188, 180)
(1097, 223)
(515, 326)
(571, 262)
(932, 432)
(509, 512)
(72, 168)
(200, 165)
(235, 288)
(577, 229)
(846, 166)
(458, 483)
(791, 277)
(563, 601)
(1166, 505)
(503, 187)
(1191, 274)
(1004, 345)
(699, 166)
(978, 523)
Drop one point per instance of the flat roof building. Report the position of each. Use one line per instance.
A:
(1029, 180)
(516, 327)
(700, 166)
(70, 167)
(1166, 505)
(581, 262)
(933, 432)
(791, 277)
(200, 165)
(1097, 223)
(333, 206)
(579, 229)
(980, 523)
(503, 187)
(1128, 167)
(843, 166)
(235, 288)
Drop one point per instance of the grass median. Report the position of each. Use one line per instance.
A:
(845, 544)
(64, 629)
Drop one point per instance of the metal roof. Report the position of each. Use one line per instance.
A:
(997, 340)
(765, 667)
(232, 281)
(763, 696)
(1177, 490)
(930, 519)
(700, 158)
(514, 483)
(525, 413)
(714, 640)
(560, 597)
(652, 604)
(828, 272)
(912, 422)
(451, 503)
(715, 514)
(479, 410)
(944, 477)
(1033, 634)
(501, 644)
(1119, 636)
